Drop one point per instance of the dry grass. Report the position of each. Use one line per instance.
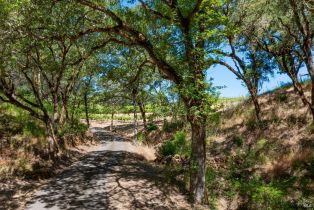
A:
(284, 164)
(280, 150)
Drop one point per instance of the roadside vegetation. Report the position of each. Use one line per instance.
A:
(147, 64)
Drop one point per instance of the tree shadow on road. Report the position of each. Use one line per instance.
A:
(110, 180)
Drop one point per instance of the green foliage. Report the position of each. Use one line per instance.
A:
(180, 142)
(31, 128)
(214, 120)
(167, 148)
(211, 176)
(15, 121)
(151, 127)
(262, 195)
(9, 125)
(238, 140)
(178, 145)
(241, 177)
(141, 137)
(74, 127)
(211, 182)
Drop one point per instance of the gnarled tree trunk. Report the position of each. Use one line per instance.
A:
(52, 132)
(256, 104)
(111, 124)
(143, 113)
(198, 158)
(86, 110)
(135, 116)
(310, 67)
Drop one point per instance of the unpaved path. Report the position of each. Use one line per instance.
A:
(114, 175)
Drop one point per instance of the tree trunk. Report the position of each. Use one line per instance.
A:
(64, 114)
(135, 118)
(52, 131)
(111, 124)
(86, 109)
(257, 108)
(198, 159)
(310, 68)
(312, 100)
(75, 105)
(143, 113)
(55, 107)
(256, 104)
(299, 90)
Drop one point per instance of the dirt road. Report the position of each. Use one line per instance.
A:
(114, 175)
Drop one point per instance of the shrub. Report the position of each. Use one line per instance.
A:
(211, 184)
(34, 129)
(266, 196)
(10, 125)
(259, 194)
(181, 143)
(210, 177)
(75, 127)
(141, 136)
(167, 148)
(238, 140)
(151, 127)
(178, 145)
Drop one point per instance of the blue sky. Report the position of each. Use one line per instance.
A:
(234, 88)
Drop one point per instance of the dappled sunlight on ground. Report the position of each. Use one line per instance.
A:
(115, 175)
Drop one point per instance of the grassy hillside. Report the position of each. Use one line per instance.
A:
(24, 145)
(268, 165)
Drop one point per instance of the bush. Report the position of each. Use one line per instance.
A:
(75, 127)
(167, 148)
(258, 194)
(238, 140)
(178, 145)
(267, 196)
(151, 127)
(33, 129)
(141, 136)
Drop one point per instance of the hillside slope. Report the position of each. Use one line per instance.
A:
(268, 165)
